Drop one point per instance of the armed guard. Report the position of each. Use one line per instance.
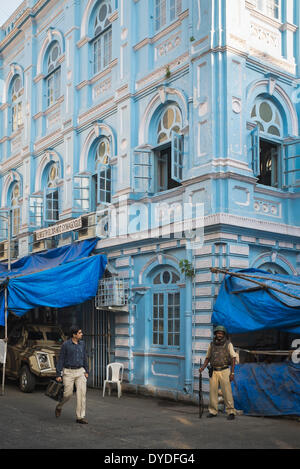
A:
(221, 357)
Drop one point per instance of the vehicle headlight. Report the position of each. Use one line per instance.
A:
(43, 360)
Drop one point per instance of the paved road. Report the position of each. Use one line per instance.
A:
(133, 422)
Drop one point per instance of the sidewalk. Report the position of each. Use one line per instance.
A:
(132, 422)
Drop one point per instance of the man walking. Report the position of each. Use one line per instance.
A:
(221, 356)
(72, 367)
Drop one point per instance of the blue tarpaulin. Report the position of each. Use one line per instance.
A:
(47, 259)
(56, 278)
(267, 389)
(244, 306)
(251, 300)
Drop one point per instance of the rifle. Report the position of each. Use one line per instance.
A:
(201, 404)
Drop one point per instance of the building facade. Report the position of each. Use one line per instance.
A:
(168, 128)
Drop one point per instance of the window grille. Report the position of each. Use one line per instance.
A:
(102, 43)
(53, 78)
(112, 291)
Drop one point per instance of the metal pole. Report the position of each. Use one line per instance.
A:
(9, 239)
(5, 295)
(5, 326)
(201, 405)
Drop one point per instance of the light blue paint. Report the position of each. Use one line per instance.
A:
(214, 82)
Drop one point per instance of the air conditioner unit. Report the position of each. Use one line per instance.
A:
(3, 251)
(103, 226)
(111, 292)
(14, 250)
(43, 245)
(88, 229)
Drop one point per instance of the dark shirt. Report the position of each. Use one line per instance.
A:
(72, 356)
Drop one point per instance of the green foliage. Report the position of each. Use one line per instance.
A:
(187, 268)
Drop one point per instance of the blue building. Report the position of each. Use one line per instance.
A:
(170, 129)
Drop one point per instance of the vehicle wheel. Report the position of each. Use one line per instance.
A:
(26, 380)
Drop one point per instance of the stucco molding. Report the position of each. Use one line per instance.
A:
(272, 88)
(52, 35)
(98, 130)
(15, 69)
(169, 95)
(274, 258)
(160, 259)
(11, 177)
(50, 156)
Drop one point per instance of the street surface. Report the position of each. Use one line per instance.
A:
(27, 421)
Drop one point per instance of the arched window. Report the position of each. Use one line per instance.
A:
(267, 157)
(169, 158)
(161, 169)
(103, 171)
(102, 42)
(170, 121)
(15, 209)
(273, 268)
(53, 78)
(16, 103)
(266, 115)
(52, 194)
(166, 322)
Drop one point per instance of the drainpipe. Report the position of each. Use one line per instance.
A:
(188, 324)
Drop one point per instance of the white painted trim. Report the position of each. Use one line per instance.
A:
(85, 19)
(266, 256)
(282, 97)
(14, 70)
(47, 158)
(152, 106)
(154, 262)
(97, 131)
(252, 223)
(11, 177)
(47, 41)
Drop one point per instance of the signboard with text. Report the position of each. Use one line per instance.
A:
(60, 228)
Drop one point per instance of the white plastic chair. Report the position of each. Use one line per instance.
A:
(114, 374)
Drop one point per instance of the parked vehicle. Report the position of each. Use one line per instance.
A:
(32, 353)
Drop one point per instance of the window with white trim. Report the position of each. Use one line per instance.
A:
(161, 168)
(102, 41)
(82, 193)
(53, 78)
(102, 178)
(16, 103)
(15, 209)
(270, 8)
(267, 143)
(166, 11)
(52, 195)
(36, 215)
(166, 321)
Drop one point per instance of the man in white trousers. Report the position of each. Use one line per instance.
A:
(72, 368)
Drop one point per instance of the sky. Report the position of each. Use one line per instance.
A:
(7, 7)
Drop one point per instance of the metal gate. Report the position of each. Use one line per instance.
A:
(99, 335)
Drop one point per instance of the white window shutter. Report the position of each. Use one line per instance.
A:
(177, 157)
(142, 171)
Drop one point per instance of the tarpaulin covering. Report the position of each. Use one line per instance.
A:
(244, 306)
(267, 389)
(48, 259)
(57, 278)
